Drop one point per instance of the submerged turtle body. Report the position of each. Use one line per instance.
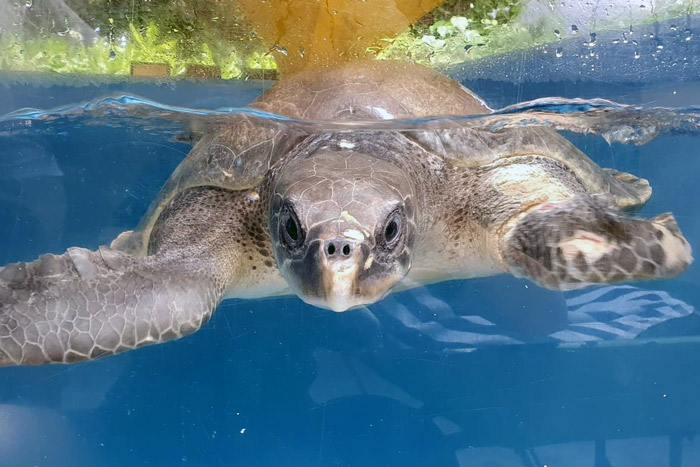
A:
(339, 218)
(239, 155)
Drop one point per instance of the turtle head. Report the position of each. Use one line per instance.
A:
(342, 226)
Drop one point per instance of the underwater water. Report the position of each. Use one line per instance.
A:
(484, 372)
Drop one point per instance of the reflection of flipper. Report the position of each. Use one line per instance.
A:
(85, 304)
(578, 242)
(481, 316)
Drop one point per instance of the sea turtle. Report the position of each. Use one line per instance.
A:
(340, 218)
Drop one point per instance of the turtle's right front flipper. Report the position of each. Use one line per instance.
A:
(85, 304)
(580, 241)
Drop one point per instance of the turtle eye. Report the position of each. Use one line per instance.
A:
(392, 229)
(291, 232)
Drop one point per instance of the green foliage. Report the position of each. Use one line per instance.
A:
(456, 40)
(61, 56)
(66, 55)
(500, 11)
(261, 61)
(211, 32)
(460, 30)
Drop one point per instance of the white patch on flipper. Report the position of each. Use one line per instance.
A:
(83, 263)
(517, 173)
(677, 252)
(591, 245)
(518, 180)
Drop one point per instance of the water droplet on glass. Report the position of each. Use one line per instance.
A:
(112, 55)
(574, 29)
(279, 48)
(557, 33)
(636, 54)
(559, 52)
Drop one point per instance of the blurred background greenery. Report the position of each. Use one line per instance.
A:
(211, 38)
(109, 36)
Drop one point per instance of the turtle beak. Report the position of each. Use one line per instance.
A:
(340, 273)
(339, 265)
(330, 274)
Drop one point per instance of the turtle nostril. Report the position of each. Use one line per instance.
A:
(338, 248)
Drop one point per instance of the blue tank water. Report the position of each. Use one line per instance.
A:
(486, 372)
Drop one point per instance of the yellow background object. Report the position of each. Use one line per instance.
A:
(313, 33)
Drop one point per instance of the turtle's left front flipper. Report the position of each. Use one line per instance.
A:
(86, 304)
(578, 242)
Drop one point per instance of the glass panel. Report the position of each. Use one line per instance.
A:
(99, 107)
